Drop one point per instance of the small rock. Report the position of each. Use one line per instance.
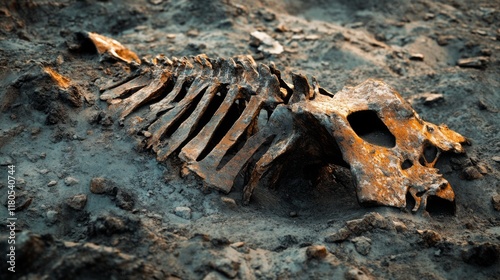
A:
(183, 212)
(473, 62)
(77, 202)
(339, 236)
(229, 202)
(471, 173)
(417, 56)
(356, 274)
(124, 200)
(99, 185)
(237, 244)
(108, 225)
(485, 254)
(376, 220)
(281, 28)
(362, 244)
(267, 15)
(265, 43)
(495, 199)
(432, 98)
(155, 2)
(443, 40)
(52, 183)
(316, 252)
(184, 172)
(429, 16)
(146, 133)
(51, 216)
(171, 36)
(193, 32)
(430, 237)
(482, 168)
(293, 214)
(400, 226)
(213, 275)
(228, 267)
(480, 32)
(357, 226)
(356, 24)
(70, 181)
(496, 159)
(312, 37)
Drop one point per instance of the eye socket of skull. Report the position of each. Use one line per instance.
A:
(369, 127)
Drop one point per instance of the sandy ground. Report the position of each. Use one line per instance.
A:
(130, 225)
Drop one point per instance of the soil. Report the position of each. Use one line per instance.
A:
(90, 204)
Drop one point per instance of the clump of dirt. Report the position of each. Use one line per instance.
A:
(146, 221)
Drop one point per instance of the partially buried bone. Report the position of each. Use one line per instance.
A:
(231, 117)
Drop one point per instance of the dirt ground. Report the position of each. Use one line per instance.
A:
(142, 220)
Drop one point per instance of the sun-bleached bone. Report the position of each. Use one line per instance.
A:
(231, 117)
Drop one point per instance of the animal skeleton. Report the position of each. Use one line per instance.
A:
(226, 117)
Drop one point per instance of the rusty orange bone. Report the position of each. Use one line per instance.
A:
(230, 118)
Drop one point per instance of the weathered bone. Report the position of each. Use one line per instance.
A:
(228, 117)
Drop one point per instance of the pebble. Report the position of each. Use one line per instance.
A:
(400, 226)
(99, 185)
(237, 244)
(443, 40)
(156, 2)
(471, 173)
(265, 43)
(473, 62)
(316, 252)
(312, 37)
(267, 15)
(417, 56)
(70, 181)
(193, 32)
(183, 212)
(229, 202)
(356, 274)
(227, 267)
(495, 199)
(51, 216)
(429, 16)
(482, 168)
(124, 200)
(77, 202)
(432, 98)
(496, 159)
(485, 254)
(52, 183)
(362, 244)
(184, 172)
(339, 236)
(293, 214)
(430, 237)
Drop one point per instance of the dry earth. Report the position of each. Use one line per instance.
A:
(142, 220)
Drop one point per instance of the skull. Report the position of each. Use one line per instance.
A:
(390, 150)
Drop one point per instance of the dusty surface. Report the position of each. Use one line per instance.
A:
(142, 220)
